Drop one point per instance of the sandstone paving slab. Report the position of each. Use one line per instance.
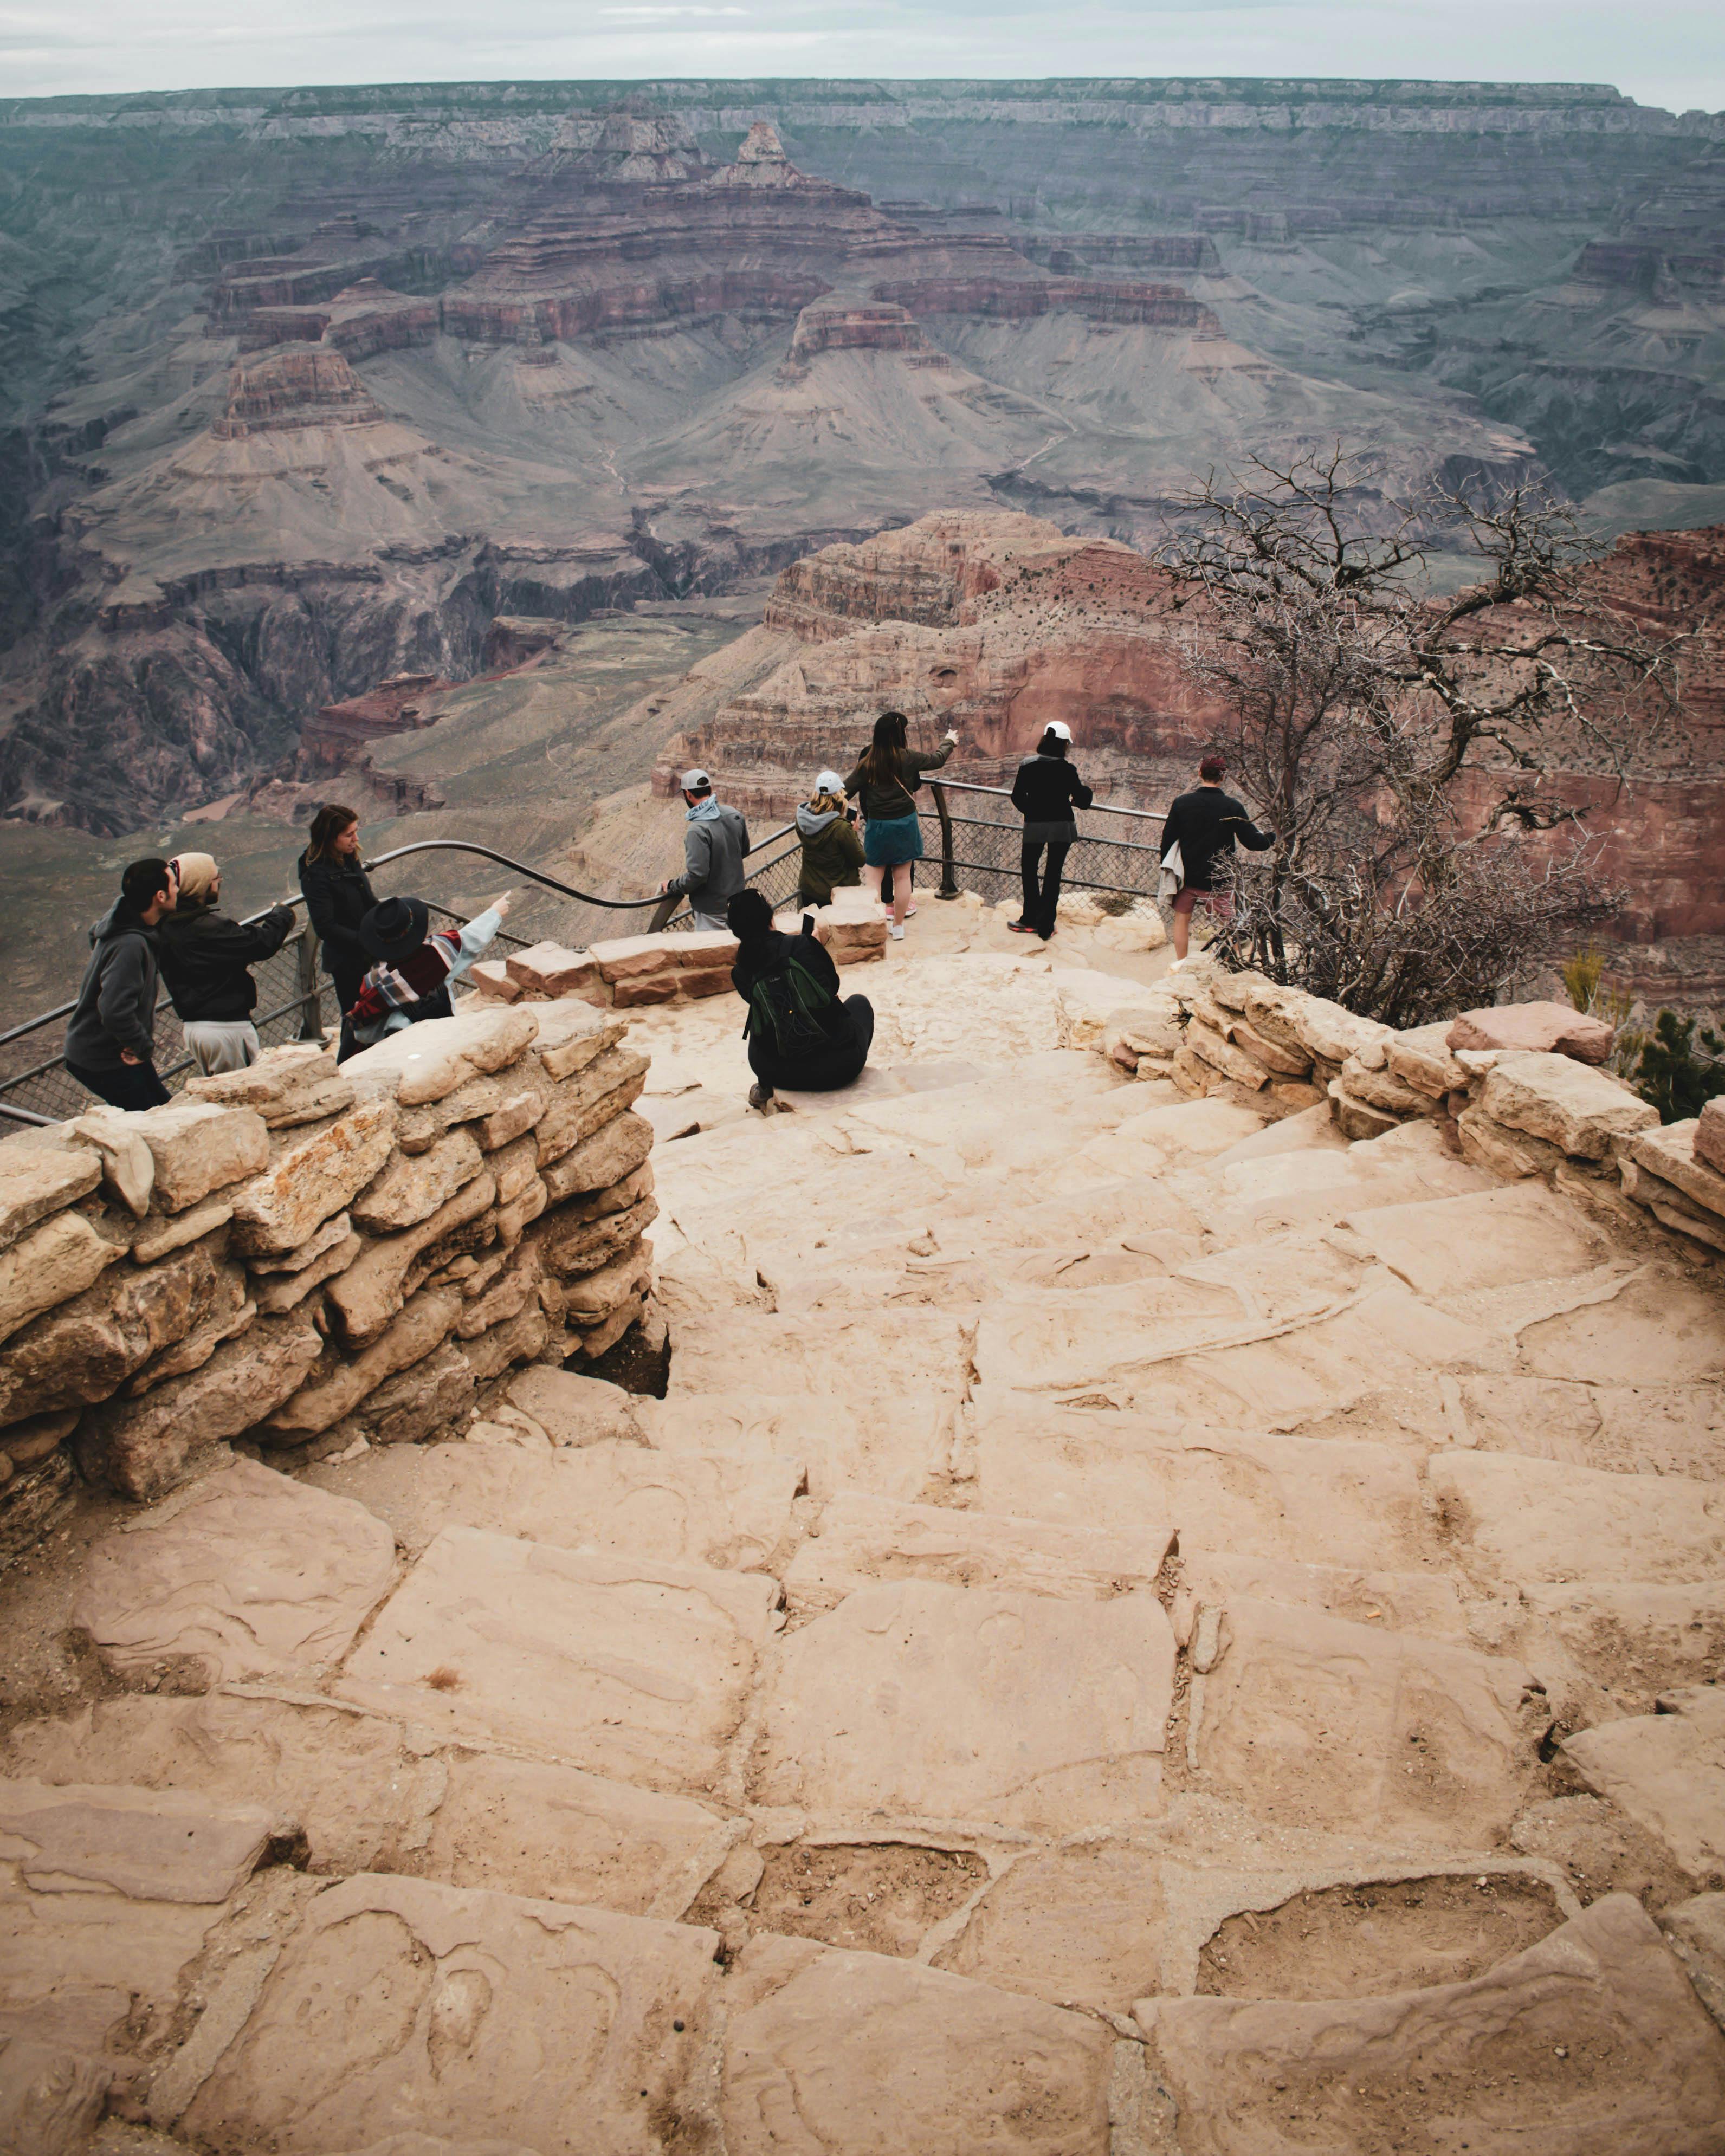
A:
(1632, 1639)
(860, 2055)
(570, 1410)
(250, 1575)
(614, 1497)
(624, 1667)
(94, 1972)
(1632, 1429)
(915, 1699)
(366, 1793)
(1327, 1501)
(1659, 1329)
(1668, 1771)
(1079, 1925)
(1425, 1602)
(1522, 1519)
(1310, 1720)
(346, 1781)
(863, 1540)
(398, 2005)
(1254, 1373)
(1590, 2041)
(1696, 1930)
(1491, 1239)
(150, 1845)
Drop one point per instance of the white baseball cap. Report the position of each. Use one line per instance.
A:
(828, 782)
(1058, 729)
(696, 782)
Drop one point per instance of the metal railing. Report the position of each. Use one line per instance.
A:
(975, 852)
(295, 1001)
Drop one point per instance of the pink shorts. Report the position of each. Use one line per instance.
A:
(1218, 902)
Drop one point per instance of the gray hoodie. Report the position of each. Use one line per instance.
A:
(713, 848)
(116, 999)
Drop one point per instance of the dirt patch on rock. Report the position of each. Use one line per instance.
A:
(882, 1898)
(1357, 1941)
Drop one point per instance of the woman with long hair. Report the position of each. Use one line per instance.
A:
(832, 852)
(886, 776)
(338, 897)
(1045, 791)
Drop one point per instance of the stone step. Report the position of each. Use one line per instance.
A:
(796, 2045)
(1304, 1719)
(1254, 1372)
(1518, 1519)
(862, 1540)
(1591, 2039)
(624, 1667)
(148, 1845)
(244, 1573)
(914, 1699)
(1426, 1602)
(362, 1796)
(613, 1497)
(1668, 1771)
(1331, 1501)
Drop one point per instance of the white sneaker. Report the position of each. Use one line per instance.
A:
(896, 930)
(1176, 965)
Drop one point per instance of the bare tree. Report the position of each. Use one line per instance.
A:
(1405, 747)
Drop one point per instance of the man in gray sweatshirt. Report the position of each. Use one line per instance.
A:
(111, 1036)
(713, 847)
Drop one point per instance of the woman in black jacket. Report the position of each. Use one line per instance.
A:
(338, 897)
(1045, 791)
(206, 960)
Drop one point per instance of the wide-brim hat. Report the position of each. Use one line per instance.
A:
(395, 929)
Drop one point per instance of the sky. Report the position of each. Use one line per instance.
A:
(1669, 53)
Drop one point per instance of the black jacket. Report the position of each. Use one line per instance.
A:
(338, 897)
(1207, 822)
(1047, 790)
(206, 959)
(116, 998)
(769, 953)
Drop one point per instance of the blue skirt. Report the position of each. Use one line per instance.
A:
(889, 840)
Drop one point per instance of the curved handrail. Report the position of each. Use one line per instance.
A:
(1096, 809)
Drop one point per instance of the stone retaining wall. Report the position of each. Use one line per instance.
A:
(668, 968)
(1519, 1089)
(310, 1258)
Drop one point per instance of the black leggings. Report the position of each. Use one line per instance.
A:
(1039, 904)
(841, 1064)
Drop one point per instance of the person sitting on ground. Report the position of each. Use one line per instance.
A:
(338, 897)
(1045, 791)
(1205, 824)
(713, 849)
(832, 852)
(206, 960)
(109, 1044)
(799, 1034)
(886, 778)
(416, 965)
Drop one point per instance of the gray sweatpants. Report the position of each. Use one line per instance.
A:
(221, 1044)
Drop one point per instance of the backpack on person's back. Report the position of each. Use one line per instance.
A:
(794, 1010)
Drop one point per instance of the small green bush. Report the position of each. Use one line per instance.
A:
(1681, 1067)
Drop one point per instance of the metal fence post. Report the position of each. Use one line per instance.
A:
(310, 995)
(949, 882)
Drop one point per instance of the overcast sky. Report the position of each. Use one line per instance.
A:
(1662, 52)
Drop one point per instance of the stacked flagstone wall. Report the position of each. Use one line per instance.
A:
(308, 1257)
(1520, 1090)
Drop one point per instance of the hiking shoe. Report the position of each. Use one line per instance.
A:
(760, 1096)
(894, 929)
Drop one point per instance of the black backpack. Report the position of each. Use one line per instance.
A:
(793, 1009)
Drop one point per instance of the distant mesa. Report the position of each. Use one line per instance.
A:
(761, 162)
(630, 146)
(292, 389)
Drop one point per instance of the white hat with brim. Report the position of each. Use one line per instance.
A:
(828, 782)
(1059, 729)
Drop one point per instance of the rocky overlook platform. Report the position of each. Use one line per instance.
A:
(1140, 1626)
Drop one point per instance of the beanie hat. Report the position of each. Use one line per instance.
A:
(196, 873)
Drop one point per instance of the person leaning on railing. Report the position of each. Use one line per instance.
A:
(111, 1036)
(832, 852)
(338, 897)
(206, 960)
(886, 776)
